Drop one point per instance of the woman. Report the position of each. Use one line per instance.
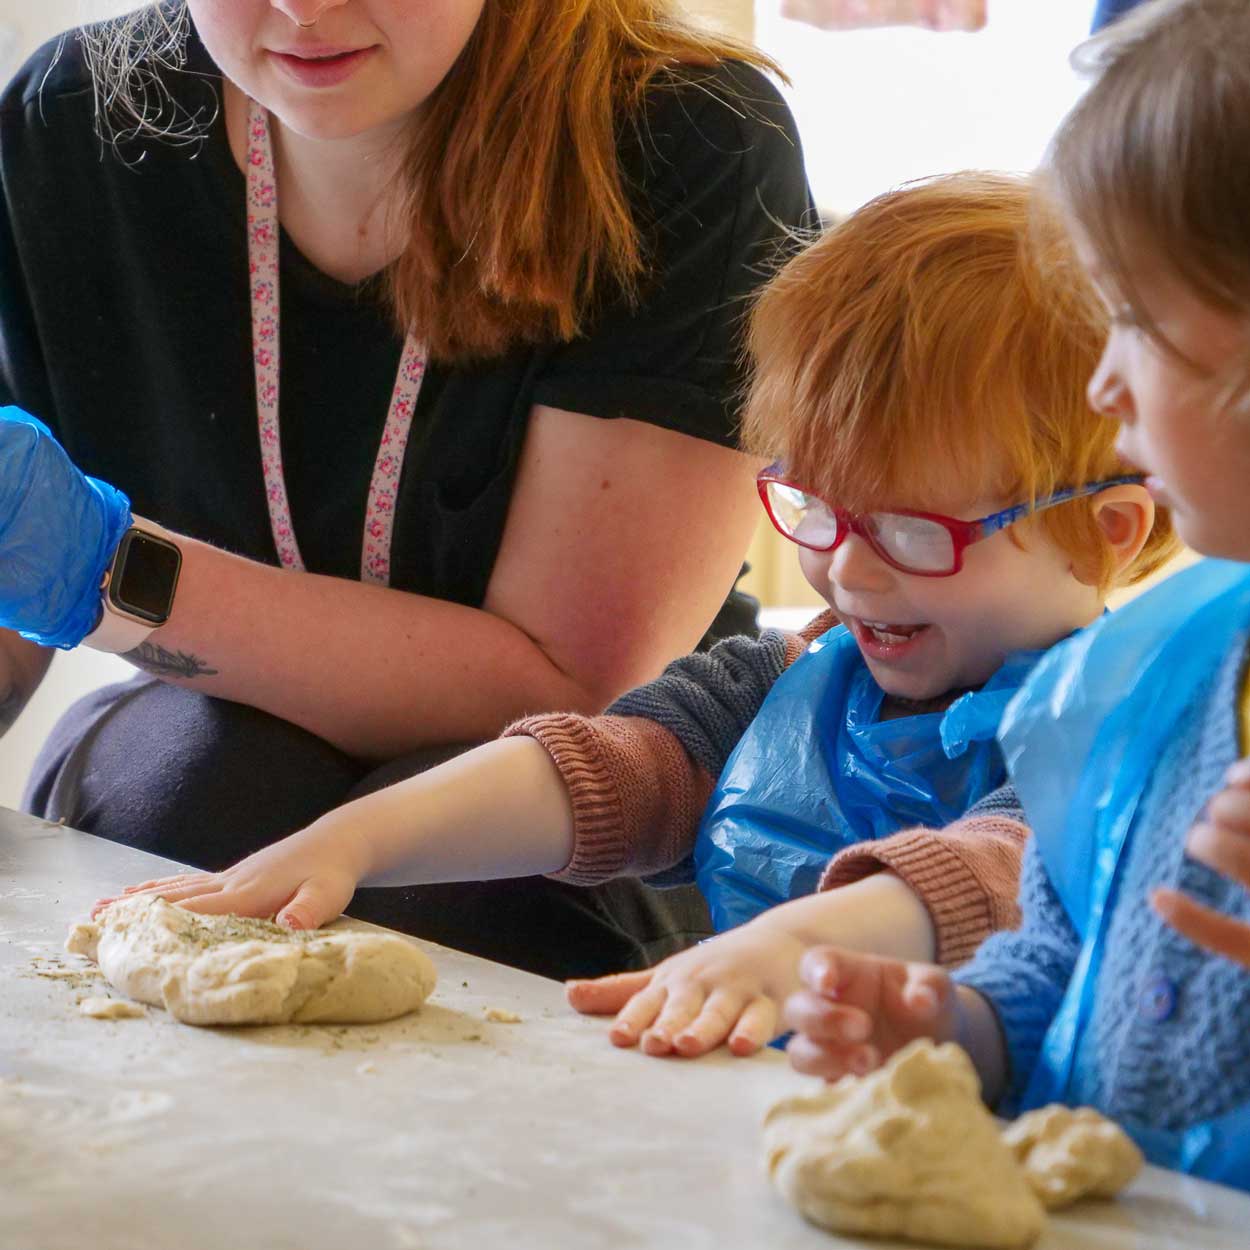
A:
(568, 209)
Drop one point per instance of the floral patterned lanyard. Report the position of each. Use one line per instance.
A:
(263, 234)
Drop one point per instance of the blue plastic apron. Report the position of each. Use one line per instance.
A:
(817, 771)
(1080, 743)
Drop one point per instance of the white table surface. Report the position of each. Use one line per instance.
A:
(440, 1131)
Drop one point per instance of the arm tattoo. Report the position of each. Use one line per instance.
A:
(10, 708)
(153, 658)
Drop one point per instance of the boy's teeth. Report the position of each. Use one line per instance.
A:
(883, 632)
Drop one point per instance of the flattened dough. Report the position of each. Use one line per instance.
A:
(1069, 1154)
(908, 1151)
(235, 970)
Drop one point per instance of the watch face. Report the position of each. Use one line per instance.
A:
(144, 577)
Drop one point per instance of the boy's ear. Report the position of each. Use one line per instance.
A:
(1125, 514)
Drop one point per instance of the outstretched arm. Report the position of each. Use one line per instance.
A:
(498, 811)
(731, 987)
(921, 894)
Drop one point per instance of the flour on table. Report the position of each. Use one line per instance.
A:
(907, 1151)
(111, 1009)
(236, 970)
(1069, 1153)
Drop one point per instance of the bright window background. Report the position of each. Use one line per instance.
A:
(879, 107)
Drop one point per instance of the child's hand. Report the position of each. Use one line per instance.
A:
(856, 1010)
(1222, 842)
(305, 880)
(730, 987)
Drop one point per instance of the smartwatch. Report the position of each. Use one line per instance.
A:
(137, 591)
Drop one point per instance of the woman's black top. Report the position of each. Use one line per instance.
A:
(125, 323)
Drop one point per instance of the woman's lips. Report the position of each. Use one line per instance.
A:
(324, 68)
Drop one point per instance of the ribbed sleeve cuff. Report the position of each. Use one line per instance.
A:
(599, 851)
(956, 899)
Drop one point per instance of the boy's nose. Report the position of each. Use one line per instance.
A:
(855, 566)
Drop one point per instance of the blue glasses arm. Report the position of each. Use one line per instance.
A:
(1009, 516)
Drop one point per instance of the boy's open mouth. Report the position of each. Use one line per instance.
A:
(891, 635)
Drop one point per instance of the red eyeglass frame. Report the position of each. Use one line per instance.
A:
(963, 533)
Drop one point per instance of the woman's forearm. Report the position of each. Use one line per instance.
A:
(376, 672)
(500, 810)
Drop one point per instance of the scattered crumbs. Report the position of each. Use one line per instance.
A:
(70, 974)
(465, 984)
(366, 1069)
(501, 1015)
(111, 1009)
(76, 978)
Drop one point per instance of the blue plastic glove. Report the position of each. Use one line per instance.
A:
(58, 532)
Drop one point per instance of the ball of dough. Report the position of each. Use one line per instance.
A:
(237, 970)
(907, 1151)
(1069, 1154)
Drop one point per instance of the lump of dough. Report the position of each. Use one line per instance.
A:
(110, 1009)
(1068, 1154)
(236, 970)
(907, 1151)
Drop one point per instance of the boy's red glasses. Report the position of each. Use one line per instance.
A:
(927, 544)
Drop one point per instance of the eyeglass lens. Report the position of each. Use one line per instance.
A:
(913, 542)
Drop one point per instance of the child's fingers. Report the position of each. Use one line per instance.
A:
(316, 902)
(636, 1015)
(826, 1022)
(1224, 849)
(925, 993)
(849, 976)
(756, 1027)
(1230, 807)
(218, 902)
(182, 893)
(682, 1004)
(1212, 930)
(171, 894)
(1239, 773)
(712, 1025)
(820, 969)
(830, 1062)
(605, 996)
(157, 882)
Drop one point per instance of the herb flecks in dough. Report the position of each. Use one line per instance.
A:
(224, 929)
